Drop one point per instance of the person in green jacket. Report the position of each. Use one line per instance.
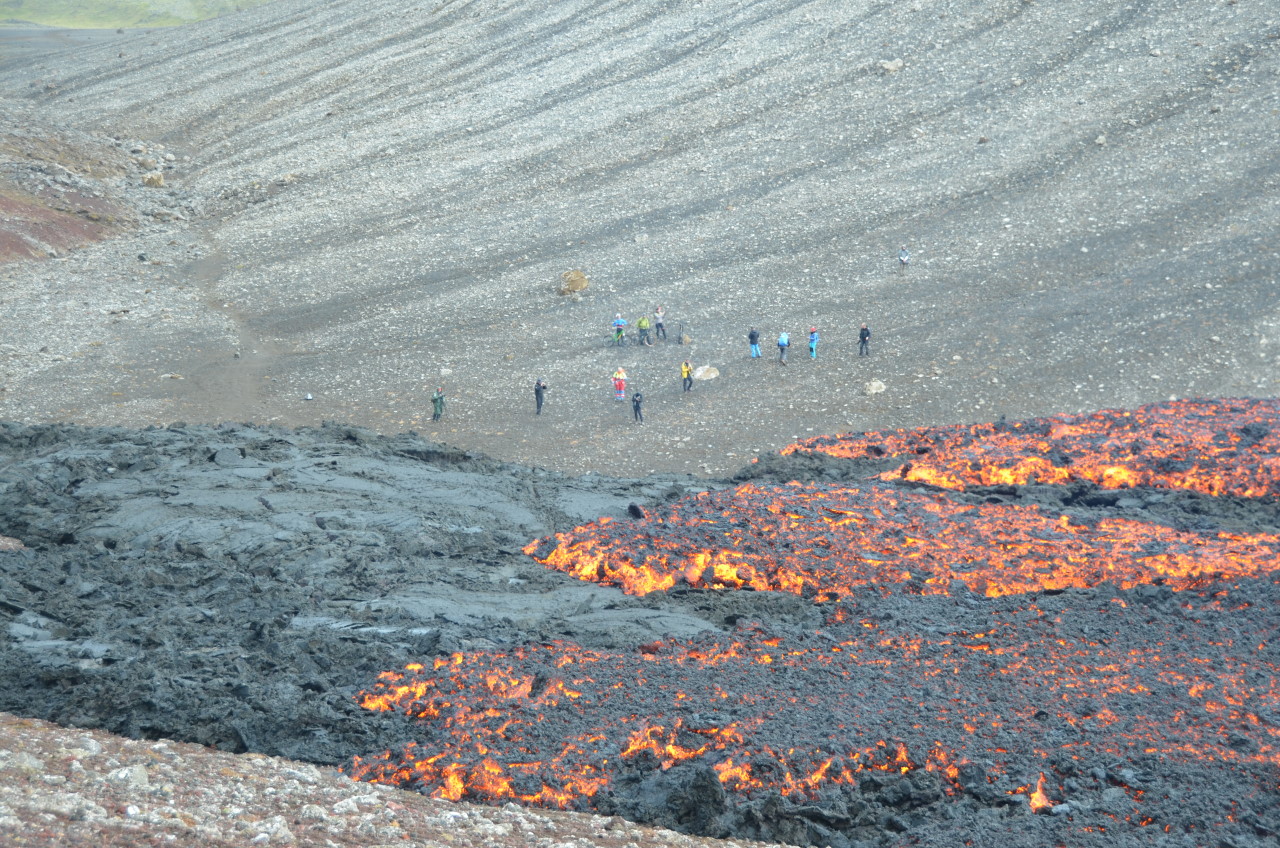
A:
(643, 326)
(437, 404)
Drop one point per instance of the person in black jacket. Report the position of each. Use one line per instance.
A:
(864, 339)
(636, 400)
(753, 338)
(539, 390)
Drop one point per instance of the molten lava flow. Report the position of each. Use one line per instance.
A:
(1039, 800)
(835, 540)
(1219, 447)
(502, 730)
(826, 709)
(1021, 702)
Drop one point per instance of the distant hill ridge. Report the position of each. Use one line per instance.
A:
(95, 14)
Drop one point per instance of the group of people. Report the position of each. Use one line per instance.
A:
(784, 343)
(658, 324)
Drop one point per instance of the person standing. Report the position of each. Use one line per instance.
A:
(864, 341)
(437, 404)
(620, 384)
(753, 338)
(637, 412)
(660, 323)
(619, 330)
(813, 342)
(539, 390)
(642, 325)
(784, 342)
(686, 375)
(904, 258)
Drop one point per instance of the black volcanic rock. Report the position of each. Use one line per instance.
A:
(242, 604)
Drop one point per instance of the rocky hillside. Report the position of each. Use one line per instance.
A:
(1088, 192)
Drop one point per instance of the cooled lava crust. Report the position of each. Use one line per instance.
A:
(976, 653)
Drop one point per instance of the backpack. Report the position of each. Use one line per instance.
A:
(784, 340)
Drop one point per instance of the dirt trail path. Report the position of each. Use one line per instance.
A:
(235, 387)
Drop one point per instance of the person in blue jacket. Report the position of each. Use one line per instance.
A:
(784, 342)
(813, 342)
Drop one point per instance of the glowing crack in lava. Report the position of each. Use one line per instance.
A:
(495, 714)
(833, 540)
(1219, 447)
(807, 715)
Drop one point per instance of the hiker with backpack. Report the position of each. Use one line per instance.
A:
(784, 342)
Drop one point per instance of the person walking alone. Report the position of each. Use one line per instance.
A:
(813, 342)
(864, 340)
(784, 342)
(637, 412)
(539, 390)
(620, 384)
(686, 375)
(660, 323)
(753, 338)
(904, 258)
(437, 404)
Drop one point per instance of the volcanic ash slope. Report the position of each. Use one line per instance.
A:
(1088, 190)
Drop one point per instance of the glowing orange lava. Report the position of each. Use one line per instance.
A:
(1026, 693)
(825, 709)
(835, 540)
(1219, 447)
(491, 741)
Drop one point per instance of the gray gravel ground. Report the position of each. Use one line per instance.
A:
(367, 200)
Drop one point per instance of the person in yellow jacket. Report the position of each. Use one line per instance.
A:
(642, 324)
(686, 374)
